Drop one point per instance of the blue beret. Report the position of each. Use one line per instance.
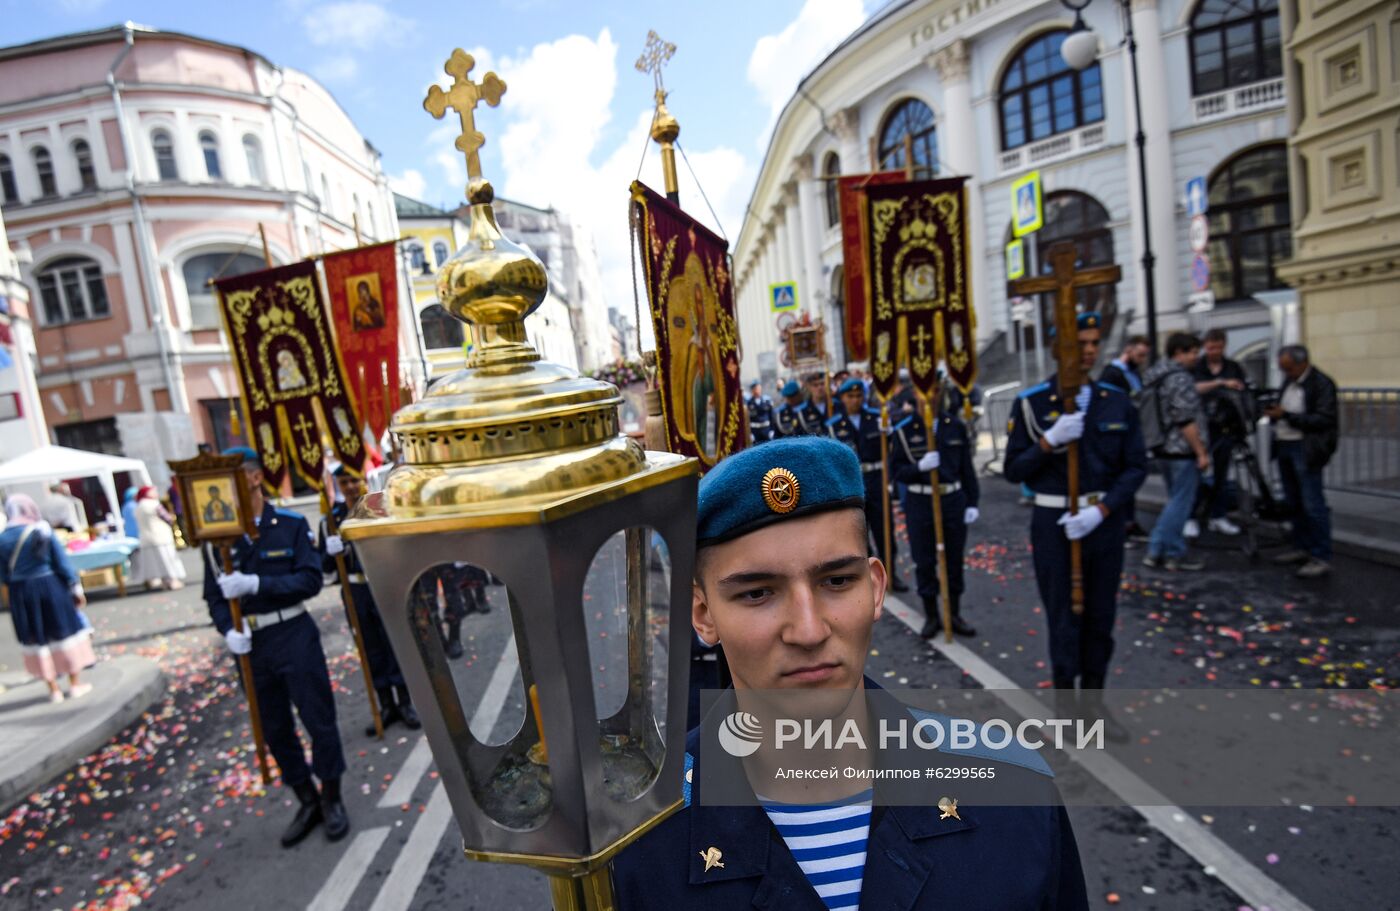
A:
(850, 385)
(791, 388)
(247, 452)
(1089, 319)
(779, 480)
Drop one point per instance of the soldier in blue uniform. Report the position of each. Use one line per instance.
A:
(760, 409)
(394, 702)
(783, 580)
(272, 576)
(911, 460)
(1112, 466)
(858, 426)
(791, 419)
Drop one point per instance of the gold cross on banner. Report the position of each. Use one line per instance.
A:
(304, 425)
(655, 56)
(463, 98)
(922, 338)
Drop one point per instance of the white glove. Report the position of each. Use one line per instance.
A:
(970, 515)
(1066, 429)
(929, 462)
(334, 546)
(238, 585)
(1082, 523)
(239, 642)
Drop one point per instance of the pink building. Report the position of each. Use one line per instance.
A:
(135, 165)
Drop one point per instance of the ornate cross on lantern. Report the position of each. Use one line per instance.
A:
(463, 98)
(1065, 280)
(654, 58)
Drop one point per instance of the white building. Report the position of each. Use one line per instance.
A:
(980, 88)
(22, 425)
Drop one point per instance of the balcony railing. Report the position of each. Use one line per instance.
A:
(1257, 96)
(1054, 148)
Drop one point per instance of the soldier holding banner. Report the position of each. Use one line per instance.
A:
(858, 426)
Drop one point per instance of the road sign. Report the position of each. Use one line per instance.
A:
(1200, 273)
(1200, 302)
(1027, 212)
(1015, 260)
(1022, 309)
(1196, 196)
(1199, 233)
(783, 296)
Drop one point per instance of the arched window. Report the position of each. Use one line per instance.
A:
(1083, 221)
(43, 166)
(831, 169)
(8, 192)
(199, 269)
(1249, 222)
(325, 193)
(252, 150)
(440, 330)
(1041, 95)
(82, 155)
(164, 149)
(417, 258)
(1234, 43)
(373, 225)
(72, 290)
(439, 252)
(209, 145)
(914, 119)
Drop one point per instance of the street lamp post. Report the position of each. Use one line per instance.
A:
(1079, 50)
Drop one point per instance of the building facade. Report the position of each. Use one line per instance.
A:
(979, 88)
(1345, 152)
(135, 166)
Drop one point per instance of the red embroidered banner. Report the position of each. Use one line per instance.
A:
(689, 287)
(363, 288)
(852, 202)
(293, 384)
(918, 283)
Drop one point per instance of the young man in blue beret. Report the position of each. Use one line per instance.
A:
(858, 427)
(784, 582)
(760, 408)
(795, 417)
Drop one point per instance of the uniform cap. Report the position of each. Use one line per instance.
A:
(780, 480)
(247, 452)
(1089, 319)
(791, 388)
(849, 385)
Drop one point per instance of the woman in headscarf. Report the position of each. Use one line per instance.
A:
(45, 596)
(129, 526)
(157, 560)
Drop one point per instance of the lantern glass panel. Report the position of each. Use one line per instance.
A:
(462, 620)
(627, 616)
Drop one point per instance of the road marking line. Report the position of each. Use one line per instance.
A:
(406, 781)
(488, 711)
(401, 885)
(1249, 882)
(346, 876)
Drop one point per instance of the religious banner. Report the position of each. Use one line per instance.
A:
(919, 284)
(293, 383)
(852, 204)
(691, 293)
(363, 288)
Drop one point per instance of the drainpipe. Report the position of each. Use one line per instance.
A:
(143, 239)
(287, 191)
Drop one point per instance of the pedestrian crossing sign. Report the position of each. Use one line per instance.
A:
(1027, 210)
(783, 296)
(1015, 260)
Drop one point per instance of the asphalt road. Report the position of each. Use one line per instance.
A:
(171, 813)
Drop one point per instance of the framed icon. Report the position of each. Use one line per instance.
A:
(215, 497)
(805, 345)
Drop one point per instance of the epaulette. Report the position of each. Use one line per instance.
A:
(288, 514)
(1033, 390)
(1110, 387)
(871, 411)
(831, 422)
(1013, 753)
(900, 425)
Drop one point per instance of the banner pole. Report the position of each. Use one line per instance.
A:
(267, 253)
(944, 606)
(245, 667)
(888, 539)
(355, 223)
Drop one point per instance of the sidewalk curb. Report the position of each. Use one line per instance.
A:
(139, 684)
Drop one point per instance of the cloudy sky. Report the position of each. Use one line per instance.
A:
(571, 129)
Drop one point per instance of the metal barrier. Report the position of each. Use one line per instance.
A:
(1367, 460)
(997, 403)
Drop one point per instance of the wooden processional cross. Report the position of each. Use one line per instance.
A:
(1064, 281)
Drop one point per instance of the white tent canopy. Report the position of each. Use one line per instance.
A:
(49, 464)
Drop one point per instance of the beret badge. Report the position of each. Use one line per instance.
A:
(780, 490)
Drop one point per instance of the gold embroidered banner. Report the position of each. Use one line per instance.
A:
(289, 371)
(919, 286)
(363, 287)
(697, 337)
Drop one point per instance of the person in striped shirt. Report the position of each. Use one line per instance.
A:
(783, 581)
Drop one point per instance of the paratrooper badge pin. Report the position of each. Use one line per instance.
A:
(949, 806)
(711, 856)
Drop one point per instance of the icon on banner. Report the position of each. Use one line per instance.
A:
(783, 296)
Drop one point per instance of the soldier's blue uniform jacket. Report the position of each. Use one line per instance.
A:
(813, 417)
(994, 857)
(289, 666)
(760, 417)
(862, 433)
(796, 420)
(959, 489)
(383, 666)
(1112, 466)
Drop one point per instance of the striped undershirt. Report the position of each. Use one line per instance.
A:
(828, 843)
